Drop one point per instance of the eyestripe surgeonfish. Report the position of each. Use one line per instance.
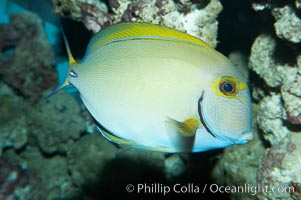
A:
(154, 88)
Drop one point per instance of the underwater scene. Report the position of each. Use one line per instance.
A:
(150, 99)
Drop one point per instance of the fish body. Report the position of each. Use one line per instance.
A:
(154, 88)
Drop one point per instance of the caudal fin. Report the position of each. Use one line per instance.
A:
(72, 61)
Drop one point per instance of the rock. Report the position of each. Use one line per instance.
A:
(174, 167)
(93, 13)
(262, 62)
(280, 170)
(88, 157)
(56, 123)
(27, 60)
(198, 19)
(13, 128)
(288, 24)
(270, 119)
(52, 172)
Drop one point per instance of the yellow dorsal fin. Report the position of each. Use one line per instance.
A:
(141, 31)
(186, 128)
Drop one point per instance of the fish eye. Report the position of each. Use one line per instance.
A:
(227, 87)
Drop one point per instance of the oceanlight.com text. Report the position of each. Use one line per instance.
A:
(192, 188)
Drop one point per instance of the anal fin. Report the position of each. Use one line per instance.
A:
(114, 139)
(127, 144)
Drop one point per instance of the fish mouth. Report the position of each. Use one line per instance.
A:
(246, 136)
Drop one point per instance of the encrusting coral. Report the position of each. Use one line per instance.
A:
(196, 18)
(280, 168)
(93, 13)
(27, 61)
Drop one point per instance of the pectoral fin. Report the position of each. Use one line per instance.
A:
(186, 128)
(182, 134)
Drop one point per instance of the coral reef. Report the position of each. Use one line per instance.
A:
(64, 123)
(284, 104)
(13, 127)
(270, 119)
(174, 167)
(288, 24)
(196, 18)
(17, 183)
(262, 61)
(280, 167)
(19, 120)
(31, 128)
(93, 13)
(50, 173)
(27, 60)
(89, 168)
(27, 141)
(276, 73)
(291, 93)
